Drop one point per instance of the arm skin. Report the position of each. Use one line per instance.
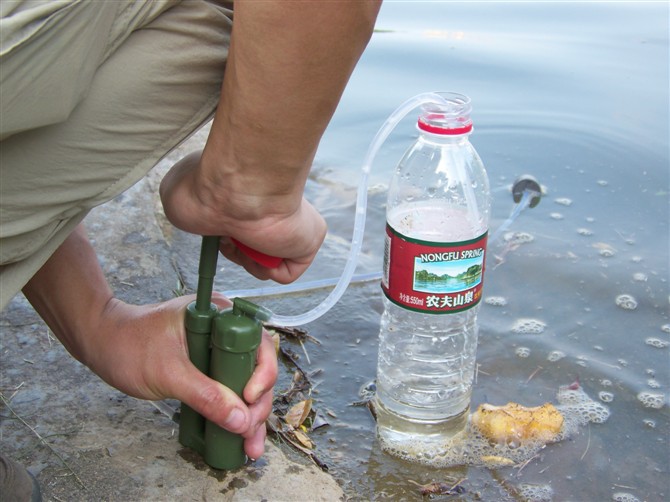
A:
(288, 65)
(141, 350)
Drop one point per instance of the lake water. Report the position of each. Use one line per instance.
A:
(575, 94)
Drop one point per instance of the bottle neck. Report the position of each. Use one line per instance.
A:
(444, 139)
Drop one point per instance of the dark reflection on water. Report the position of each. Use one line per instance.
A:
(576, 95)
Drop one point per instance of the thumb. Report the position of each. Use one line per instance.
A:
(212, 400)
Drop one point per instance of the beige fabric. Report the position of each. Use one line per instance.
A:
(93, 94)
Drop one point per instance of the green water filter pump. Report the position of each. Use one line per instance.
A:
(222, 344)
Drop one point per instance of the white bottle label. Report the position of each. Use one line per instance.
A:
(433, 277)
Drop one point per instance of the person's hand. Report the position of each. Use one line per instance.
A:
(283, 80)
(291, 233)
(141, 350)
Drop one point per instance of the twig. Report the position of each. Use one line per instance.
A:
(625, 487)
(526, 462)
(305, 351)
(42, 440)
(16, 390)
(588, 443)
(532, 375)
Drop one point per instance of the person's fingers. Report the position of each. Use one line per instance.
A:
(259, 413)
(254, 443)
(265, 374)
(212, 400)
(254, 446)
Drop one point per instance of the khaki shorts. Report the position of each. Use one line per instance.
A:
(92, 95)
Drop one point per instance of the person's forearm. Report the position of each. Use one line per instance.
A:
(70, 292)
(289, 63)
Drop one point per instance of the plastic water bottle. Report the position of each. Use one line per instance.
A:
(437, 222)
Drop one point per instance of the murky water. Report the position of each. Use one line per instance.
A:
(577, 95)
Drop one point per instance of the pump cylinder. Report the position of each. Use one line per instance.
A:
(235, 340)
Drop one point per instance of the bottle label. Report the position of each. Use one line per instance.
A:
(433, 277)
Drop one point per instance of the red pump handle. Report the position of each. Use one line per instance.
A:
(264, 259)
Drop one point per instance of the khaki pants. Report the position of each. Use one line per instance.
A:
(92, 95)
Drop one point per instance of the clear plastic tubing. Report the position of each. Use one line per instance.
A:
(361, 207)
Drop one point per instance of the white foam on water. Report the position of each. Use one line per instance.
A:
(528, 326)
(657, 342)
(624, 497)
(555, 355)
(605, 397)
(516, 238)
(535, 493)
(496, 301)
(654, 400)
(626, 302)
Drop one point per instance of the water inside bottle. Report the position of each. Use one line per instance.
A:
(426, 361)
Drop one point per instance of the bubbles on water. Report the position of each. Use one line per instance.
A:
(535, 493)
(657, 342)
(556, 216)
(654, 400)
(528, 326)
(496, 301)
(649, 423)
(606, 382)
(636, 259)
(605, 397)
(555, 355)
(563, 201)
(652, 383)
(624, 497)
(585, 232)
(578, 408)
(605, 250)
(665, 328)
(602, 183)
(640, 277)
(522, 352)
(517, 238)
(626, 302)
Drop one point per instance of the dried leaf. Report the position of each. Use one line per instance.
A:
(492, 461)
(276, 339)
(298, 413)
(303, 438)
(319, 421)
